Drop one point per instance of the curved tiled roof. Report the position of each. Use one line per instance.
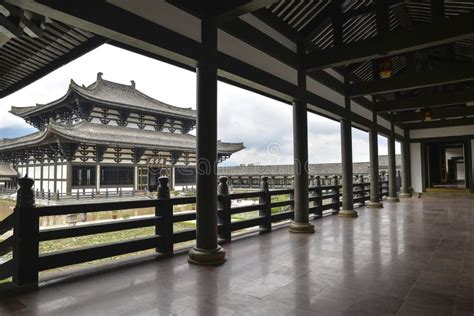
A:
(116, 94)
(85, 132)
(7, 170)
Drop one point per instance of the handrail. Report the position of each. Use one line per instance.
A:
(84, 230)
(7, 224)
(7, 245)
(272, 206)
(6, 269)
(51, 210)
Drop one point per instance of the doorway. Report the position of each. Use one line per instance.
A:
(445, 166)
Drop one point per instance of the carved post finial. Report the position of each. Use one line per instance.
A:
(264, 184)
(163, 189)
(223, 187)
(25, 194)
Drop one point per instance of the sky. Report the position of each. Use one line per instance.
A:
(264, 125)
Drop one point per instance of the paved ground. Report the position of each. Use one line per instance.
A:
(411, 258)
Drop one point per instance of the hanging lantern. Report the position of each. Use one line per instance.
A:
(385, 67)
(427, 116)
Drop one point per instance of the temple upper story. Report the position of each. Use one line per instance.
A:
(109, 103)
(108, 122)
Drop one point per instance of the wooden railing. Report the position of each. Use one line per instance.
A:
(6, 247)
(266, 208)
(88, 195)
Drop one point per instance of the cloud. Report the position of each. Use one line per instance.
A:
(263, 124)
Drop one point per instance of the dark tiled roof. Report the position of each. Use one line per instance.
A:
(7, 170)
(92, 133)
(116, 94)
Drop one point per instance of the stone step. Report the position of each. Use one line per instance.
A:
(448, 194)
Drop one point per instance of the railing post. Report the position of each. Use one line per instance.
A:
(266, 210)
(319, 195)
(335, 191)
(26, 236)
(398, 181)
(292, 194)
(312, 193)
(362, 188)
(380, 187)
(223, 213)
(164, 210)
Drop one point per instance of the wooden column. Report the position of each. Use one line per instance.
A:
(406, 172)
(55, 174)
(97, 177)
(392, 168)
(207, 251)
(69, 177)
(374, 165)
(41, 174)
(346, 157)
(300, 224)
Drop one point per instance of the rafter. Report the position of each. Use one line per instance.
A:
(445, 74)
(430, 101)
(321, 20)
(396, 42)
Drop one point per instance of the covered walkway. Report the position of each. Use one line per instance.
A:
(415, 257)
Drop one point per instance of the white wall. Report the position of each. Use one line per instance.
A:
(416, 171)
(442, 132)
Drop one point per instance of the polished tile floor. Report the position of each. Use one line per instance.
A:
(415, 257)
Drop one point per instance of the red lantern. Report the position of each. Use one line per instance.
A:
(385, 67)
(427, 116)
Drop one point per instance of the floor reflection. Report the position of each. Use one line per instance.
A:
(415, 257)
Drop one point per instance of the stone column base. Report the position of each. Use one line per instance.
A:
(301, 228)
(405, 195)
(206, 257)
(371, 204)
(392, 199)
(348, 213)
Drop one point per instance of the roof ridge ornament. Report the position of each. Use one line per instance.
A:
(99, 76)
(132, 84)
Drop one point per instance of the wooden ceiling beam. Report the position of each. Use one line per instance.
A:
(394, 43)
(430, 101)
(445, 74)
(436, 114)
(223, 11)
(440, 123)
(228, 12)
(9, 28)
